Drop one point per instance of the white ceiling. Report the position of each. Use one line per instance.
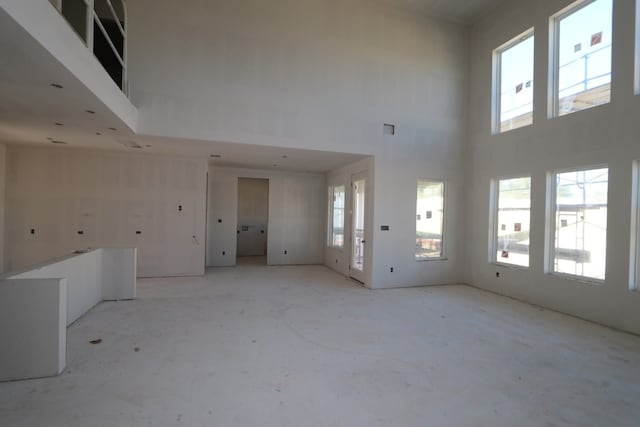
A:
(31, 107)
(33, 112)
(463, 12)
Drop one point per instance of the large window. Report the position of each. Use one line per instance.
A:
(513, 83)
(336, 216)
(581, 54)
(430, 220)
(580, 222)
(512, 221)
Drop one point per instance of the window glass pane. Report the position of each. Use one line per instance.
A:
(516, 84)
(336, 216)
(105, 13)
(513, 221)
(581, 223)
(105, 54)
(429, 219)
(75, 12)
(584, 57)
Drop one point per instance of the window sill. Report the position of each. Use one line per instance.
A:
(580, 279)
(510, 266)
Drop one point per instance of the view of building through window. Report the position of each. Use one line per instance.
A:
(512, 221)
(515, 83)
(581, 223)
(583, 43)
(336, 216)
(429, 219)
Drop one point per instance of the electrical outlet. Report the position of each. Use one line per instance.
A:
(391, 269)
(497, 274)
(285, 252)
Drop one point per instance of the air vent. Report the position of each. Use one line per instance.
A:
(90, 111)
(216, 156)
(56, 85)
(55, 141)
(389, 129)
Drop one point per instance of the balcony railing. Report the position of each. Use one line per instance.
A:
(101, 24)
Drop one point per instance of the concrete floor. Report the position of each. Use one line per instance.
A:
(301, 347)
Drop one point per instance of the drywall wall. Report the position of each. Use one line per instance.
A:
(33, 328)
(604, 135)
(319, 74)
(62, 200)
(119, 271)
(37, 305)
(91, 277)
(3, 168)
(296, 216)
(253, 216)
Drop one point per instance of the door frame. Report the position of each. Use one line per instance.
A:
(355, 273)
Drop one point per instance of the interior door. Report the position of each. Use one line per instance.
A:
(357, 237)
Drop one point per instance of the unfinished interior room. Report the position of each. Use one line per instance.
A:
(320, 213)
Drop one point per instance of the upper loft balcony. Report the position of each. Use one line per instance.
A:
(101, 25)
(44, 43)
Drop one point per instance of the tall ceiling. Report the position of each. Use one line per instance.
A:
(35, 112)
(460, 11)
(43, 104)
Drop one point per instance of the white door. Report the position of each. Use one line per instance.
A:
(358, 241)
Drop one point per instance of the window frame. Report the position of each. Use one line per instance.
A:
(443, 242)
(496, 94)
(553, 107)
(330, 217)
(493, 220)
(550, 228)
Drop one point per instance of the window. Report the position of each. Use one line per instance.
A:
(512, 221)
(580, 221)
(336, 216)
(634, 282)
(582, 36)
(430, 220)
(513, 83)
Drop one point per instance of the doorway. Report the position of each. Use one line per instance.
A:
(253, 221)
(358, 183)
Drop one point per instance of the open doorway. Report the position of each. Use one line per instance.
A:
(358, 184)
(253, 220)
